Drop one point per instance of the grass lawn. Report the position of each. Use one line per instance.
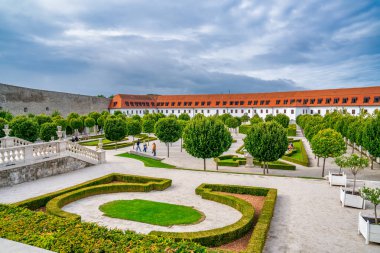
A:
(156, 213)
(148, 162)
(300, 156)
(95, 142)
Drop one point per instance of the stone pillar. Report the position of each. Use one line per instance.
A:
(101, 156)
(28, 153)
(249, 159)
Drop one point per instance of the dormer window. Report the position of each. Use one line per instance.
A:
(312, 101)
(328, 100)
(344, 100)
(278, 102)
(366, 99)
(320, 100)
(336, 100)
(354, 100)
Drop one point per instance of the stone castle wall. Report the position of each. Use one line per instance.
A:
(20, 100)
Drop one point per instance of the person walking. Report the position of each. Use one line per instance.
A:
(154, 149)
(138, 145)
(145, 147)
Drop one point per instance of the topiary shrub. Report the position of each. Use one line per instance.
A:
(48, 131)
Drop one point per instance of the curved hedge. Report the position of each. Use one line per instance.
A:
(41, 201)
(305, 159)
(218, 236)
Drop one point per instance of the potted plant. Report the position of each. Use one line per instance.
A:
(352, 198)
(339, 178)
(369, 227)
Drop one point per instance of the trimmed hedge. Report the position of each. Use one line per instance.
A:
(126, 144)
(67, 235)
(240, 150)
(305, 159)
(292, 130)
(216, 237)
(41, 201)
(235, 161)
(243, 129)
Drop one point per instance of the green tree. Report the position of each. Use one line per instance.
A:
(206, 138)
(94, 115)
(133, 128)
(282, 119)
(117, 112)
(232, 123)
(28, 130)
(136, 117)
(266, 142)
(3, 122)
(6, 115)
(327, 143)
(355, 164)
(115, 129)
(173, 116)
(168, 130)
(269, 117)
(148, 126)
(224, 117)
(42, 119)
(183, 124)
(371, 138)
(352, 131)
(55, 114)
(245, 118)
(184, 116)
(373, 196)
(101, 120)
(341, 161)
(76, 124)
(15, 123)
(256, 119)
(89, 122)
(72, 115)
(47, 131)
(61, 122)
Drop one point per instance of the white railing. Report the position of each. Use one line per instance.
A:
(8, 142)
(31, 153)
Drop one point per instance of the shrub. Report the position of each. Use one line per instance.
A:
(244, 129)
(27, 130)
(292, 130)
(48, 131)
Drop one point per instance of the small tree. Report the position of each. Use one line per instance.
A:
(245, 118)
(232, 123)
(355, 163)
(341, 161)
(168, 130)
(47, 131)
(148, 126)
(115, 129)
(101, 120)
(28, 130)
(256, 119)
(269, 117)
(373, 196)
(136, 117)
(183, 124)
(371, 138)
(266, 142)
(42, 118)
(60, 122)
(6, 115)
(76, 123)
(133, 128)
(327, 143)
(206, 138)
(282, 119)
(89, 122)
(184, 116)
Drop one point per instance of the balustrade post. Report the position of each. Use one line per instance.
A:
(62, 146)
(28, 153)
(101, 156)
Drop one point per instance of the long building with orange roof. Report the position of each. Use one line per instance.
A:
(291, 103)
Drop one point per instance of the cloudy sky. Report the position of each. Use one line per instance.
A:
(186, 46)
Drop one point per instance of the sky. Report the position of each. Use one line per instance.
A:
(174, 47)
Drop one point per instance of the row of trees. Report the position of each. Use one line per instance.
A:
(326, 133)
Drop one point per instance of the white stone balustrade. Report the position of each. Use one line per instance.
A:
(30, 153)
(8, 142)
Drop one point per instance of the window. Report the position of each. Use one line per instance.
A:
(292, 111)
(266, 110)
(173, 103)
(336, 100)
(353, 100)
(196, 103)
(208, 102)
(284, 110)
(196, 111)
(328, 100)
(231, 102)
(261, 110)
(311, 111)
(312, 101)
(47, 109)
(262, 102)
(232, 111)
(166, 111)
(319, 111)
(255, 102)
(255, 111)
(267, 102)
(278, 102)
(166, 103)
(189, 103)
(299, 100)
(320, 100)
(242, 111)
(179, 111)
(327, 111)
(172, 111)
(202, 111)
(249, 102)
(224, 102)
(224, 111)
(276, 110)
(185, 103)
(366, 99)
(236, 111)
(241, 102)
(305, 101)
(236, 102)
(217, 102)
(249, 111)
(179, 103)
(114, 104)
(376, 99)
(203, 103)
(285, 102)
(152, 103)
(292, 101)
(208, 111)
(26, 108)
(353, 112)
(344, 100)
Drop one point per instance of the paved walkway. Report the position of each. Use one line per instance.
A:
(7, 246)
(308, 215)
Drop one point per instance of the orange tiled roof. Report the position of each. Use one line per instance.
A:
(363, 96)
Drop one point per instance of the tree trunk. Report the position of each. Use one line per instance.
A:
(263, 164)
(353, 188)
(116, 145)
(204, 164)
(267, 168)
(340, 170)
(375, 214)
(323, 169)
(318, 162)
(353, 148)
(217, 166)
(181, 144)
(148, 139)
(371, 162)
(167, 144)
(133, 142)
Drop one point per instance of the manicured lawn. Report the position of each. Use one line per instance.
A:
(95, 142)
(148, 162)
(299, 156)
(156, 213)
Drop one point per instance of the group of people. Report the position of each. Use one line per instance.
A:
(145, 147)
(290, 146)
